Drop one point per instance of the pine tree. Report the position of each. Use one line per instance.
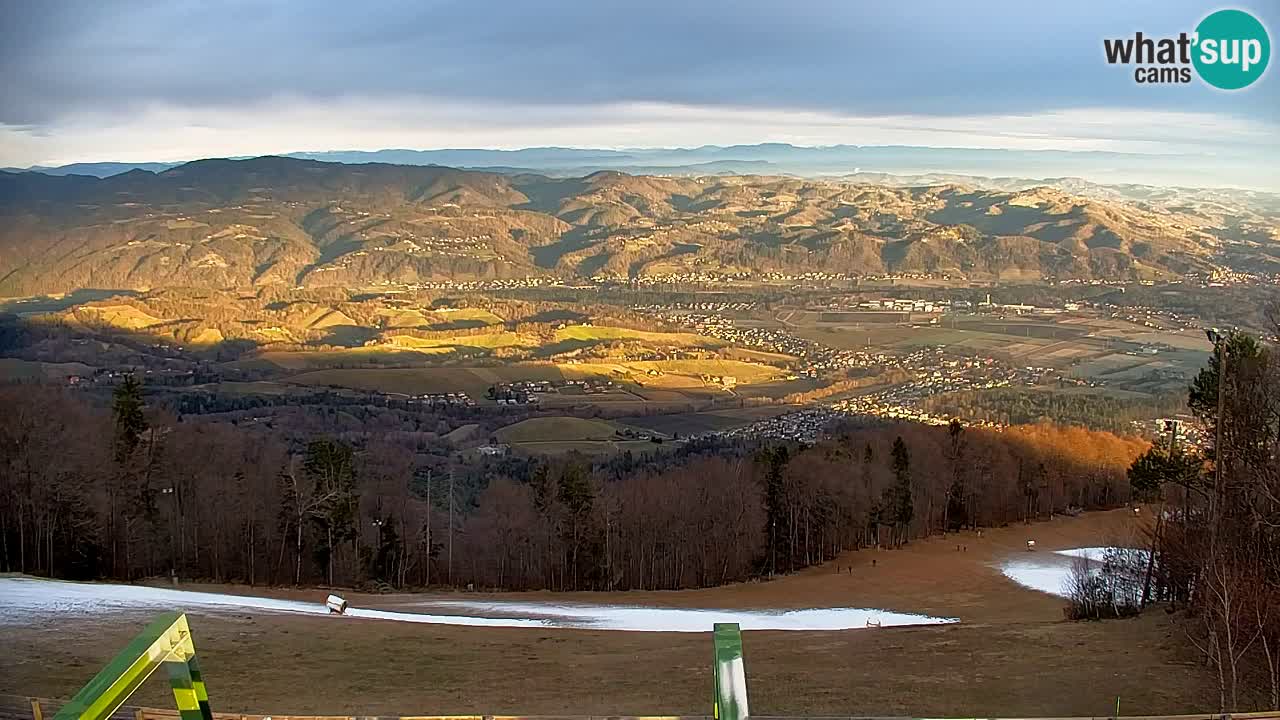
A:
(575, 494)
(127, 498)
(775, 501)
(953, 512)
(130, 421)
(901, 506)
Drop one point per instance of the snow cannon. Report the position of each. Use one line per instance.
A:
(336, 605)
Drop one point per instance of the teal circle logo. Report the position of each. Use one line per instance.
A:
(1231, 49)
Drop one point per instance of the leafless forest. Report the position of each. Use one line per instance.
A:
(129, 491)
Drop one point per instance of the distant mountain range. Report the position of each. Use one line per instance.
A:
(275, 220)
(784, 159)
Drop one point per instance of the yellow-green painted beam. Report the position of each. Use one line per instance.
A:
(166, 640)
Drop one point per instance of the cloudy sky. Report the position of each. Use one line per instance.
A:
(87, 80)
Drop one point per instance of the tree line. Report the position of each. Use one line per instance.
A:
(1216, 545)
(1020, 406)
(135, 491)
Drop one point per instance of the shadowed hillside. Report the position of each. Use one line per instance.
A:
(236, 223)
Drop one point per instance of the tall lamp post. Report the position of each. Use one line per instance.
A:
(174, 509)
(1220, 345)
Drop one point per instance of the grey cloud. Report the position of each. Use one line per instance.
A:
(910, 56)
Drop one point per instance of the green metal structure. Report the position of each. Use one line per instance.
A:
(730, 673)
(166, 641)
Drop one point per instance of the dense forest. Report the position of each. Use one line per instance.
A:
(1021, 406)
(134, 491)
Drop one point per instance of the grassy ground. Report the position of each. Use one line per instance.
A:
(306, 360)
(684, 423)
(15, 369)
(549, 429)
(1012, 654)
(1090, 347)
(123, 316)
(592, 447)
(698, 422)
(468, 315)
(409, 381)
(677, 385)
(486, 341)
(598, 332)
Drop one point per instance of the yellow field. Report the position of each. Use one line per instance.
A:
(303, 360)
(122, 316)
(641, 385)
(326, 317)
(478, 315)
(487, 341)
(595, 333)
(744, 372)
(275, 334)
(397, 318)
(206, 336)
(675, 373)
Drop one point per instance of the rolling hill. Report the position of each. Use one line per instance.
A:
(221, 224)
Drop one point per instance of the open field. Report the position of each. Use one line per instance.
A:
(1115, 351)
(548, 429)
(261, 387)
(653, 385)
(595, 333)
(485, 341)
(693, 423)
(1011, 654)
(684, 423)
(404, 349)
(559, 435)
(591, 447)
(465, 316)
(15, 369)
(309, 360)
(122, 316)
(414, 381)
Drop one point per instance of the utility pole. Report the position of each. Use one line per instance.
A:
(430, 510)
(451, 526)
(173, 533)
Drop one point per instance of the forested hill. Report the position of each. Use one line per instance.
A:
(239, 223)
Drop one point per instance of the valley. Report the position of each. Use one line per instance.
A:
(515, 416)
(657, 361)
(663, 364)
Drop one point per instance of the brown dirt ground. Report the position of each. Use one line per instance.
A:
(1011, 655)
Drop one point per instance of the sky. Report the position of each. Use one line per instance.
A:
(178, 79)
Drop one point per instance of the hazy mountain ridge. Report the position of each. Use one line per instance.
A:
(784, 159)
(237, 223)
